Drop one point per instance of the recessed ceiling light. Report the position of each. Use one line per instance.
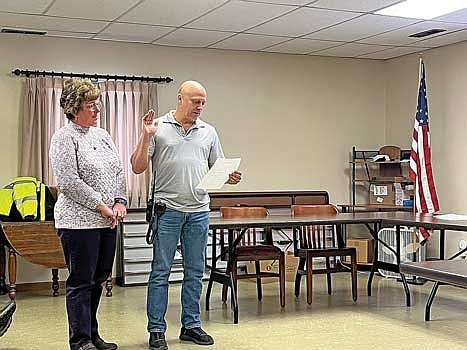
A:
(423, 9)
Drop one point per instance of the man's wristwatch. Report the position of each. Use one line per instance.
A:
(120, 201)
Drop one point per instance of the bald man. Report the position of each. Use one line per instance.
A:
(182, 148)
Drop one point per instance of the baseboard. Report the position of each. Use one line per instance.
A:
(36, 286)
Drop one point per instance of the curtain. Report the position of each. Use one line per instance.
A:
(42, 116)
(123, 105)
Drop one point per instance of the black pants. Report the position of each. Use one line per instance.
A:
(89, 255)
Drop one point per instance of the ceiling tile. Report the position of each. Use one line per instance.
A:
(248, 42)
(24, 6)
(238, 15)
(50, 23)
(392, 52)
(90, 9)
(59, 34)
(400, 37)
(457, 17)
(354, 5)
(442, 40)
(301, 46)
(284, 2)
(169, 12)
(320, 27)
(133, 32)
(302, 21)
(361, 27)
(191, 38)
(350, 50)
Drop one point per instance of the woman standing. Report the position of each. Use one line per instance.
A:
(92, 200)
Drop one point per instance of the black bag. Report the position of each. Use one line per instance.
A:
(149, 209)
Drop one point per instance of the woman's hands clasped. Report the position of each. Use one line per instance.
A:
(114, 215)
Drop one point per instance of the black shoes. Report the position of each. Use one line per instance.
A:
(157, 341)
(196, 335)
(100, 344)
(6, 316)
(87, 346)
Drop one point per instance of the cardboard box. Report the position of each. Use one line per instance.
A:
(382, 193)
(291, 265)
(365, 248)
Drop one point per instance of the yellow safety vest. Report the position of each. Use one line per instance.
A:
(28, 196)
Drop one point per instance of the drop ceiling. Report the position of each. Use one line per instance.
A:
(340, 28)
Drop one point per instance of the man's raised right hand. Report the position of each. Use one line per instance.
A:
(149, 124)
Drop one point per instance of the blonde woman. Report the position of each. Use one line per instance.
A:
(92, 200)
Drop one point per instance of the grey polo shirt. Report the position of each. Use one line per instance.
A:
(180, 160)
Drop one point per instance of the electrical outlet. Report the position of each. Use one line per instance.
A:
(462, 244)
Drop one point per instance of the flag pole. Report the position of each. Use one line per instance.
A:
(414, 210)
(416, 279)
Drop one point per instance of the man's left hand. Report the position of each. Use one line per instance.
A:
(234, 178)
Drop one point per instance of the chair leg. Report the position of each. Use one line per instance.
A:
(353, 261)
(225, 287)
(309, 278)
(298, 276)
(258, 281)
(208, 291)
(328, 275)
(282, 278)
(224, 292)
(235, 280)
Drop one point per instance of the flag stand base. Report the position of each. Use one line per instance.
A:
(414, 280)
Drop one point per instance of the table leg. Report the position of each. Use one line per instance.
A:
(442, 243)
(12, 273)
(374, 265)
(108, 286)
(430, 301)
(55, 284)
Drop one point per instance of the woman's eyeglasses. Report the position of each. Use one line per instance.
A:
(94, 106)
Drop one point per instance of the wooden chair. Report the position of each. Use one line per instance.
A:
(393, 152)
(320, 241)
(249, 249)
(394, 167)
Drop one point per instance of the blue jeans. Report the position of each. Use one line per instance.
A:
(191, 229)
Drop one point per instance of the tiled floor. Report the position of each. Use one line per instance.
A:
(381, 321)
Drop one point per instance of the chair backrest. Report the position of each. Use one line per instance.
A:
(250, 236)
(315, 236)
(393, 152)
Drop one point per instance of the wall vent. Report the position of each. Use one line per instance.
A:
(22, 31)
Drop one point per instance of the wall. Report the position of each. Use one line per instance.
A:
(292, 119)
(446, 78)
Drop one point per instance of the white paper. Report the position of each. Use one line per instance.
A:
(219, 173)
(381, 190)
(381, 157)
(451, 216)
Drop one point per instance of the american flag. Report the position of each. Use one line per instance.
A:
(426, 199)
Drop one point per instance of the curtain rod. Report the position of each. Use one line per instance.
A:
(37, 73)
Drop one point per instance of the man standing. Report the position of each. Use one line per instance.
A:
(182, 149)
